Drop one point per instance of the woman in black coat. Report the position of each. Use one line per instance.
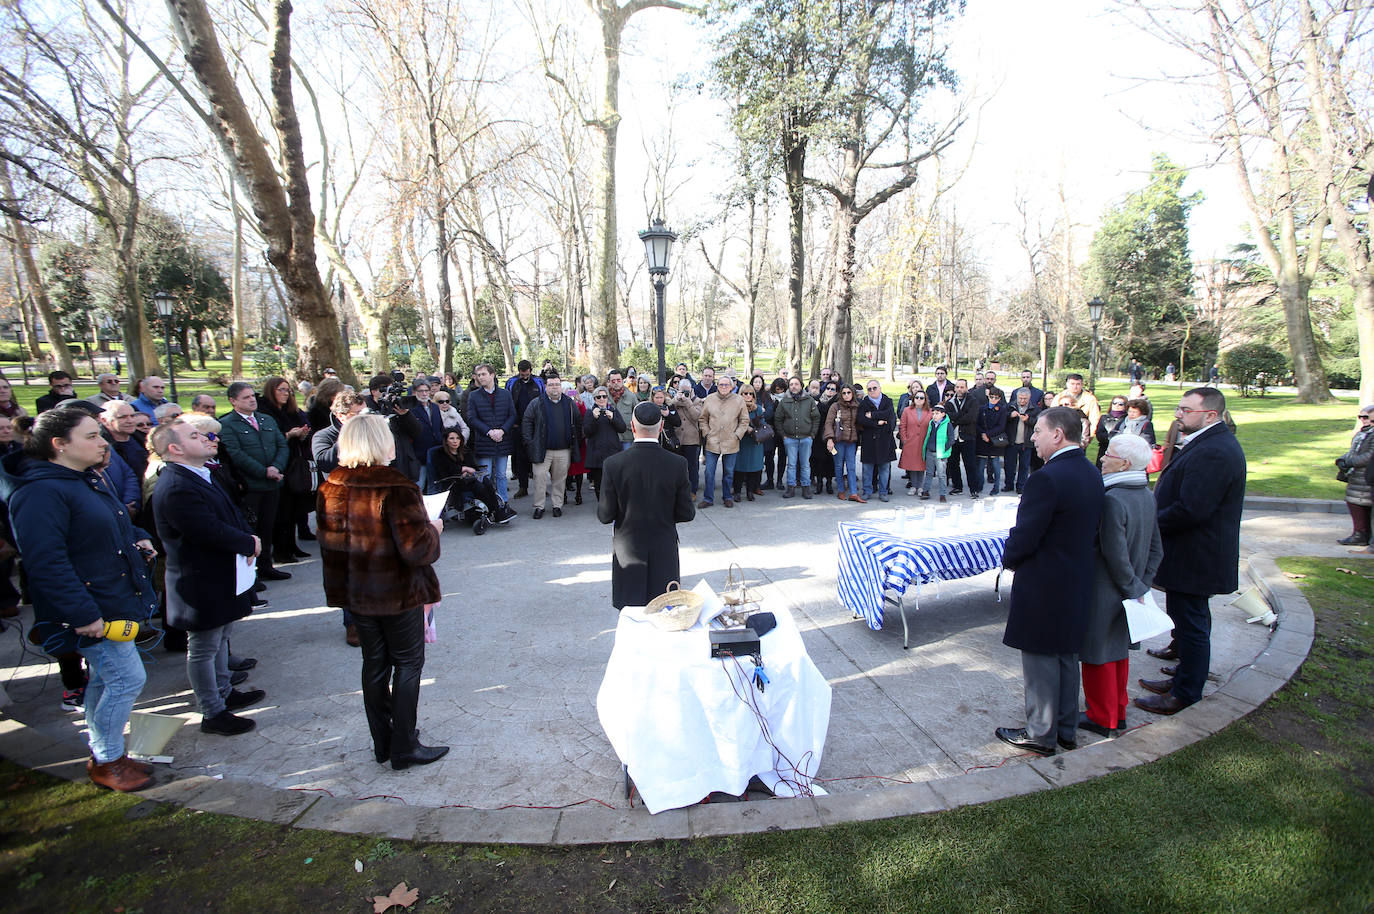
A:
(278, 400)
(601, 430)
(992, 429)
(877, 446)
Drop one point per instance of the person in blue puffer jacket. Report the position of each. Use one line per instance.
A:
(87, 565)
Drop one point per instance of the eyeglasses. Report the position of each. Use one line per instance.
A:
(874, 388)
(918, 397)
(600, 397)
(1364, 417)
(441, 400)
(1185, 409)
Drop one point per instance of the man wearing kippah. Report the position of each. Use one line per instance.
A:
(645, 494)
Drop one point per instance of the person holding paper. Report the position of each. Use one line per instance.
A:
(204, 533)
(1128, 553)
(1051, 550)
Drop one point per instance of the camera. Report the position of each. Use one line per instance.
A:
(390, 398)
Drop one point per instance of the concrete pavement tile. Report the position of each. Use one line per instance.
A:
(21, 742)
(253, 801)
(368, 817)
(752, 817)
(1216, 712)
(1084, 764)
(878, 803)
(182, 790)
(1252, 686)
(1278, 664)
(1011, 780)
(596, 825)
(480, 826)
(1288, 641)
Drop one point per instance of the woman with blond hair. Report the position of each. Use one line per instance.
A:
(378, 546)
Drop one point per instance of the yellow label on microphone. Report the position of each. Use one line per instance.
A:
(121, 630)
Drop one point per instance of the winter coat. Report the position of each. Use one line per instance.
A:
(376, 542)
(625, 406)
(876, 442)
(1357, 490)
(939, 440)
(750, 459)
(488, 411)
(842, 422)
(911, 429)
(77, 541)
(534, 427)
(1128, 552)
(253, 450)
(992, 421)
(602, 434)
(797, 416)
(689, 409)
(723, 422)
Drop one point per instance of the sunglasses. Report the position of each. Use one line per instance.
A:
(601, 397)
(918, 397)
(441, 400)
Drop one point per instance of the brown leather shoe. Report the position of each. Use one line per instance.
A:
(1169, 670)
(842, 497)
(1160, 704)
(140, 767)
(859, 498)
(351, 635)
(1164, 653)
(119, 775)
(729, 503)
(1158, 686)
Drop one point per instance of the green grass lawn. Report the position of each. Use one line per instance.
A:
(1273, 814)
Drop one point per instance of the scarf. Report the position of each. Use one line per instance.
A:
(1133, 478)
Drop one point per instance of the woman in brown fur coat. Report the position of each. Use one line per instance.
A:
(378, 544)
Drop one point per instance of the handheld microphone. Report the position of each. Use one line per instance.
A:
(120, 630)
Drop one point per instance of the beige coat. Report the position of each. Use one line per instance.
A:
(723, 422)
(689, 408)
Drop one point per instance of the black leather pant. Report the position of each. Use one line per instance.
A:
(393, 657)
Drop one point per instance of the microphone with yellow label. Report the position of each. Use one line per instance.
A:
(120, 630)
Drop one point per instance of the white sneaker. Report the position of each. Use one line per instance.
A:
(910, 490)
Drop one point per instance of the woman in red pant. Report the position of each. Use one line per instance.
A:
(1128, 554)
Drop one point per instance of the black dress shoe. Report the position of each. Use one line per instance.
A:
(272, 574)
(1158, 686)
(578, 499)
(259, 587)
(1092, 726)
(1169, 670)
(557, 512)
(538, 513)
(238, 677)
(239, 699)
(1160, 704)
(422, 755)
(242, 663)
(301, 554)
(1163, 653)
(1021, 740)
(1067, 745)
(279, 558)
(227, 724)
(258, 602)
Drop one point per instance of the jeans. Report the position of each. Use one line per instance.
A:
(727, 481)
(692, 452)
(798, 461)
(875, 478)
(117, 678)
(495, 467)
(207, 667)
(992, 465)
(846, 454)
(914, 479)
(1018, 465)
(393, 650)
(935, 472)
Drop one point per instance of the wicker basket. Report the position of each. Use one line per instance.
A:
(676, 610)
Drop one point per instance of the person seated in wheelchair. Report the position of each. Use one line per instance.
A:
(452, 470)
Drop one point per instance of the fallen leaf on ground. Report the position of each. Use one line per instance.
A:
(1346, 571)
(358, 866)
(612, 885)
(1289, 574)
(399, 897)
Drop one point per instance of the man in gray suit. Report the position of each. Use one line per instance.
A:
(645, 493)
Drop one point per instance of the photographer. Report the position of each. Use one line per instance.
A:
(387, 397)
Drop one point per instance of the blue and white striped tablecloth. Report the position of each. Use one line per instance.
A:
(877, 566)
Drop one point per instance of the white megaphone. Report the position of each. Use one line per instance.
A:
(1252, 604)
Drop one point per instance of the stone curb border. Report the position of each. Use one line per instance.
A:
(1245, 691)
(1296, 505)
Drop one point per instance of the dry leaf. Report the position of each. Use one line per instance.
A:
(1296, 577)
(399, 897)
(1346, 571)
(612, 885)
(358, 866)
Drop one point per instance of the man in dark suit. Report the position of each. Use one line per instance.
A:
(1051, 551)
(963, 409)
(431, 426)
(644, 492)
(942, 388)
(1199, 498)
(255, 447)
(203, 533)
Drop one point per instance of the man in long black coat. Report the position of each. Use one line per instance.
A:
(645, 493)
(1051, 551)
(1199, 498)
(204, 534)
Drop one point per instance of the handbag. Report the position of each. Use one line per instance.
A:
(999, 440)
(299, 476)
(1342, 470)
(1156, 459)
(764, 434)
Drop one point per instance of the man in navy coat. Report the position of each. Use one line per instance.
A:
(1199, 498)
(204, 533)
(645, 493)
(1051, 551)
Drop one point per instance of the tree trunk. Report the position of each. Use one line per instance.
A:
(794, 165)
(236, 287)
(62, 357)
(842, 328)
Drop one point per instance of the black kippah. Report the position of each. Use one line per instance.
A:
(647, 414)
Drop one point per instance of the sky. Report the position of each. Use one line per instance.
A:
(1068, 90)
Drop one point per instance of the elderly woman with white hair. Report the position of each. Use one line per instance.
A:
(1355, 462)
(1128, 554)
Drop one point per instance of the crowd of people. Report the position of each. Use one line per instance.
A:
(123, 506)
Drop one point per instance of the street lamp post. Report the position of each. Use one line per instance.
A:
(18, 328)
(658, 248)
(954, 352)
(1095, 315)
(164, 302)
(1046, 325)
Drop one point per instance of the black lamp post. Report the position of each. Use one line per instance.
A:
(18, 328)
(1095, 315)
(658, 248)
(954, 352)
(1046, 325)
(165, 301)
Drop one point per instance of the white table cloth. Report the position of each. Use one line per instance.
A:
(677, 720)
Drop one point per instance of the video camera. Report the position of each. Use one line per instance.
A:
(392, 398)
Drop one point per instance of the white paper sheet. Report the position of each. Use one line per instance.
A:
(434, 504)
(1145, 619)
(245, 573)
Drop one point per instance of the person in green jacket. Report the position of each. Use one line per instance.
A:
(797, 418)
(937, 449)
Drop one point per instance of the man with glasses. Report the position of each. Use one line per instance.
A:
(877, 423)
(941, 389)
(724, 420)
(797, 419)
(963, 409)
(59, 389)
(1199, 498)
(1036, 395)
(551, 429)
(431, 426)
(109, 389)
(623, 401)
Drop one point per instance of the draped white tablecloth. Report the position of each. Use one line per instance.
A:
(677, 720)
